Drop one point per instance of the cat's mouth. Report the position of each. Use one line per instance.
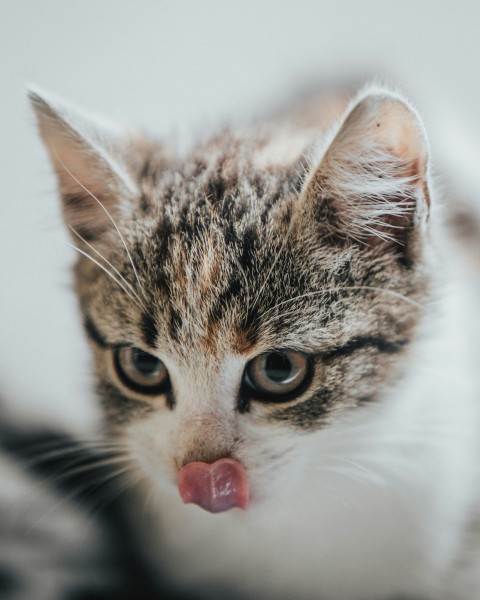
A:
(215, 487)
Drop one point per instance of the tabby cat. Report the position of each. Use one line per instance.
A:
(283, 334)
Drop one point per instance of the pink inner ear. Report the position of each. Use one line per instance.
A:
(214, 487)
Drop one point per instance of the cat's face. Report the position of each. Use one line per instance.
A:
(234, 309)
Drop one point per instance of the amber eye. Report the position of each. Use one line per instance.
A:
(141, 371)
(277, 376)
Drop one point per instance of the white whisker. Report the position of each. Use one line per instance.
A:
(74, 468)
(356, 465)
(362, 479)
(111, 219)
(242, 270)
(105, 270)
(120, 487)
(279, 253)
(65, 452)
(110, 265)
(346, 288)
(65, 499)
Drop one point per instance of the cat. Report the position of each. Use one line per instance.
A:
(283, 331)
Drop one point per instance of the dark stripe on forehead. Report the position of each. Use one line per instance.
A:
(149, 330)
(215, 189)
(163, 234)
(175, 324)
(162, 238)
(249, 243)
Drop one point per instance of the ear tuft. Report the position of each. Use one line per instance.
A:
(371, 183)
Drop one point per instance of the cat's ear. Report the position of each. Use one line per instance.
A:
(371, 184)
(87, 158)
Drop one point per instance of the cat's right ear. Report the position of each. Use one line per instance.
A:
(86, 155)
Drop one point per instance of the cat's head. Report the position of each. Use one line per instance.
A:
(238, 301)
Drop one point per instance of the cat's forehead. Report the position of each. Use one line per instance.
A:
(221, 267)
(206, 265)
(211, 243)
(222, 284)
(212, 227)
(225, 178)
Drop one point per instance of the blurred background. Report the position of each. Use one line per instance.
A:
(179, 67)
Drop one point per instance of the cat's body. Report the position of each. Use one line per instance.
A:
(363, 477)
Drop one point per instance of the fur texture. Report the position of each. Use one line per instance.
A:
(362, 484)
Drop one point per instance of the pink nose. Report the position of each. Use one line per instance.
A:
(216, 487)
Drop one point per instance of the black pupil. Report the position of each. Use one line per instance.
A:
(146, 364)
(278, 367)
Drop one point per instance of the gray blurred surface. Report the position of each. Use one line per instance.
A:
(177, 67)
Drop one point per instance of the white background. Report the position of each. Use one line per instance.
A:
(172, 67)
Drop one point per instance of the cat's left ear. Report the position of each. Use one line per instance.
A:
(371, 185)
(88, 156)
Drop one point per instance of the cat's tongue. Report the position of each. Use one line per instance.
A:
(216, 487)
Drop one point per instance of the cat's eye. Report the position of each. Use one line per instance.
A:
(277, 376)
(141, 371)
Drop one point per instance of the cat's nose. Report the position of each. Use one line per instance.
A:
(215, 487)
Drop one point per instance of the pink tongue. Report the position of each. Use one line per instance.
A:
(216, 487)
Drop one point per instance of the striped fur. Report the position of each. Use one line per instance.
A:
(287, 234)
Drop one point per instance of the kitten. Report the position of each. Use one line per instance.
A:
(283, 349)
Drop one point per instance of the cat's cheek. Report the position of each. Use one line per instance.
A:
(274, 456)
